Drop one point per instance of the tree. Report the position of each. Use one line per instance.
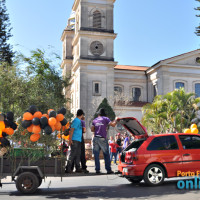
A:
(173, 110)
(109, 111)
(6, 53)
(44, 84)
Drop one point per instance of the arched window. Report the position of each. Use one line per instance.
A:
(197, 89)
(96, 19)
(136, 92)
(179, 85)
(117, 90)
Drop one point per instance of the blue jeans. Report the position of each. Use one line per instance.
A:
(101, 144)
(119, 150)
(115, 156)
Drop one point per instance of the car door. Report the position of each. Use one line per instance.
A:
(165, 150)
(190, 151)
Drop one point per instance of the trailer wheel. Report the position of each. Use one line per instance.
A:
(27, 183)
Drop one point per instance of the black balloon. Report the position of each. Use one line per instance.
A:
(10, 116)
(48, 130)
(8, 123)
(62, 111)
(44, 121)
(42, 126)
(13, 126)
(36, 121)
(26, 123)
(4, 142)
(63, 122)
(33, 109)
(52, 113)
(4, 134)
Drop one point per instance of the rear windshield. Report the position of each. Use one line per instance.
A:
(135, 145)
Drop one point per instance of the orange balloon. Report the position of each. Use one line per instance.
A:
(36, 129)
(35, 137)
(58, 126)
(30, 128)
(52, 121)
(37, 114)
(9, 131)
(45, 115)
(27, 116)
(60, 117)
(1, 134)
(49, 111)
(2, 125)
(53, 128)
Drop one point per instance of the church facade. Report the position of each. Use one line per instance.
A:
(88, 59)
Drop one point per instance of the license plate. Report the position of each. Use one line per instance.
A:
(125, 170)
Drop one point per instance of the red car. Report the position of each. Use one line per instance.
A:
(154, 158)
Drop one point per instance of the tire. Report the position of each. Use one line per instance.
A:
(39, 181)
(154, 175)
(27, 183)
(132, 180)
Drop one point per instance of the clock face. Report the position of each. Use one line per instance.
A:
(96, 48)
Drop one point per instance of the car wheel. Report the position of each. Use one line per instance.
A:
(154, 175)
(40, 181)
(27, 183)
(132, 180)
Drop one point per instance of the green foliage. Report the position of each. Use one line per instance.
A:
(6, 53)
(198, 27)
(108, 109)
(173, 110)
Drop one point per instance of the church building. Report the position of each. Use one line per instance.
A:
(88, 59)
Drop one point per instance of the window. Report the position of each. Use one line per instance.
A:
(179, 85)
(197, 89)
(96, 88)
(190, 142)
(117, 90)
(136, 92)
(163, 143)
(96, 19)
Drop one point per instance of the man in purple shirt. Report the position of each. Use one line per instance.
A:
(100, 142)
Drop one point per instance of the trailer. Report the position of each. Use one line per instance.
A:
(28, 172)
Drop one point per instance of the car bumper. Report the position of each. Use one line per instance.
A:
(131, 170)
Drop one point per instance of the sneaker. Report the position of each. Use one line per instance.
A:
(68, 171)
(98, 172)
(79, 171)
(110, 172)
(85, 171)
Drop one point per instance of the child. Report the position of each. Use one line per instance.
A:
(113, 151)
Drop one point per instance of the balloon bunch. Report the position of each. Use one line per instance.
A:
(193, 129)
(34, 121)
(7, 127)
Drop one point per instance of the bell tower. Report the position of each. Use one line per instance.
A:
(90, 43)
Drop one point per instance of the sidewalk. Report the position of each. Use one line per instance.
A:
(91, 166)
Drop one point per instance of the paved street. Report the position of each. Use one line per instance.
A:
(98, 187)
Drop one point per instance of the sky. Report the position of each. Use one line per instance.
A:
(147, 30)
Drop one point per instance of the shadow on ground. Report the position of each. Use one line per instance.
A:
(127, 191)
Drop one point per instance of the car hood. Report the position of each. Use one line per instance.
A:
(133, 126)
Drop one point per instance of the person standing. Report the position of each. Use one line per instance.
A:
(100, 142)
(113, 151)
(119, 142)
(75, 139)
(126, 141)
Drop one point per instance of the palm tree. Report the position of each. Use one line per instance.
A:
(173, 110)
